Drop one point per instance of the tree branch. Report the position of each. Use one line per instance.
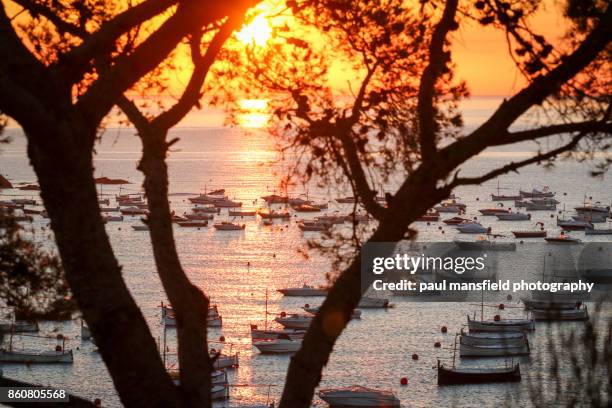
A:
(437, 60)
(37, 9)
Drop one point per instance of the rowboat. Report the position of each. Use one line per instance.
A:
(510, 216)
(529, 234)
(515, 339)
(493, 350)
(193, 224)
(294, 321)
(561, 314)
(281, 345)
(358, 396)
(501, 325)
(477, 375)
(305, 290)
(228, 226)
(258, 334)
(37, 357)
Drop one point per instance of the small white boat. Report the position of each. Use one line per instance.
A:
(228, 226)
(513, 216)
(367, 302)
(36, 357)
(281, 345)
(510, 339)
(358, 396)
(271, 334)
(294, 321)
(493, 350)
(225, 360)
(573, 225)
(305, 290)
(501, 325)
(472, 227)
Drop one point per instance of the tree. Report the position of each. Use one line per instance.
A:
(403, 119)
(71, 62)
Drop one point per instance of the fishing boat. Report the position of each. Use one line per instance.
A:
(305, 290)
(205, 210)
(283, 344)
(535, 193)
(515, 339)
(198, 216)
(539, 206)
(573, 225)
(472, 227)
(563, 239)
(346, 200)
(140, 227)
(270, 334)
(228, 226)
(529, 234)
(484, 243)
(275, 199)
(455, 220)
(495, 210)
(294, 321)
(19, 326)
(270, 215)
(576, 314)
(367, 302)
(193, 224)
(37, 357)
(306, 208)
(233, 213)
(593, 209)
(227, 203)
(501, 325)
(133, 211)
(358, 396)
(492, 350)
(477, 375)
(513, 216)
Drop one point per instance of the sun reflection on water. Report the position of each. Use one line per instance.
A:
(253, 113)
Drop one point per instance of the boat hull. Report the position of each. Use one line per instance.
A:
(448, 376)
(62, 357)
(496, 350)
(501, 326)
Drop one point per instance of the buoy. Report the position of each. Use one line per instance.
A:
(428, 223)
(477, 198)
(443, 329)
(98, 402)
(404, 381)
(443, 231)
(307, 306)
(497, 318)
(521, 242)
(283, 314)
(415, 356)
(222, 339)
(60, 336)
(509, 297)
(437, 344)
(501, 306)
(58, 348)
(440, 228)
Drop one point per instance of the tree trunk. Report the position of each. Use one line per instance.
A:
(63, 163)
(189, 303)
(306, 365)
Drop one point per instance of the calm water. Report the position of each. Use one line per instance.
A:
(237, 268)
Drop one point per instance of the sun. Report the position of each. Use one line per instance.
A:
(257, 32)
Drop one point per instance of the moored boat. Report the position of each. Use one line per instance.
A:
(281, 345)
(492, 350)
(472, 227)
(477, 375)
(367, 302)
(563, 239)
(60, 356)
(294, 321)
(193, 224)
(455, 220)
(575, 314)
(513, 216)
(228, 226)
(358, 396)
(270, 334)
(305, 290)
(501, 325)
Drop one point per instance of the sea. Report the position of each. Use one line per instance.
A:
(242, 270)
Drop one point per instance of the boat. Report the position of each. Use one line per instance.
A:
(455, 220)
(482, 243)
(193, 224)
(85, 332)
(515, 339)
(31, 211)
(495, 210)
(563, 239)
(539, 206)
(346, 200)
(429, 216)
(513, 216)
(305, 290)
(573, 225)
(24, 201)
(270, 215)
(233, 213)
(315, 309)
(313, 226)
(140, 227)
(535, 193)
(217, 377)
(576, 314)
(306, 208)
(275, 199)
(113, 218)
(358, 396)
(367, 302)
(199, 216)
(213, 318)
(270, 334)
(37, 357)
(207, 198)
(227, 203)
(11, 205)
(530, 234)
(219, 392)
(133, 211)
(283, 344)
(592, 218)
(294, 321)
(493, 350)
(472, 227)
(19, 326)
(601, 276)
(477, 375)
(224, 360)
(501, 325)
(339, 219)
(594, 209)
(598, 231)
(503, 197)
(298, 201)
(205, 210)
(109, 209)
(448, 208)
(228, 226)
